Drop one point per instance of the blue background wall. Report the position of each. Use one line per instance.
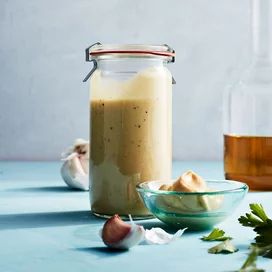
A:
(43, 102)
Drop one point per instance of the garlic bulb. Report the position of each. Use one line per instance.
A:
(75, 170)
(120, 235)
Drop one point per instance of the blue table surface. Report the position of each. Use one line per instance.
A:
(44, 226)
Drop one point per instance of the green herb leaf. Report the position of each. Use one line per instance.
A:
(265, 251)
(249, 220)
(262, 225)
(258, 216)
(250, 263)
(225, 247)
(216, 235)
(258, 210)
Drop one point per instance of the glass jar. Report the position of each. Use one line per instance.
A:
(131, 124)
(248, 109)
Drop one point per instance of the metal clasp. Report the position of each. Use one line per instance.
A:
(87, 58)
(91, 72)
(170, 49)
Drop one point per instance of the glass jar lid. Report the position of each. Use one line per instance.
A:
(103, 51)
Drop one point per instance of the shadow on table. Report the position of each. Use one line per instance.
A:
(48, 219)
(49, 189)
(101, 251)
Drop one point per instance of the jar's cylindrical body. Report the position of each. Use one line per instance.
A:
(131, 132)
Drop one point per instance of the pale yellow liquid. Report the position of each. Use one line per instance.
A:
(130, 143)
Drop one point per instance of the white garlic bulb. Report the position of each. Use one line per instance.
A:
(75, 169)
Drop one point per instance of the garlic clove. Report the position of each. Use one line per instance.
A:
(120, 235)
(85, 164)
(81, 182)
(134, 237)
(74, 178)
(75, 169)
(115, 230)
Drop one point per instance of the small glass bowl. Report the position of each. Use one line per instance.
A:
(195, 210)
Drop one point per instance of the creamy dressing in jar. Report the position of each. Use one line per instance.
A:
(131, 134)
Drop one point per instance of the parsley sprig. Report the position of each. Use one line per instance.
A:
(262, 225)
(216, 235)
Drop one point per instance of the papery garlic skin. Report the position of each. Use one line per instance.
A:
(75, 170)
(157, 236)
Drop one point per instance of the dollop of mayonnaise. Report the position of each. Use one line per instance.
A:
(190, 182)
(187, 182)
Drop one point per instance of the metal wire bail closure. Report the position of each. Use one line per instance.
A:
(87, 58)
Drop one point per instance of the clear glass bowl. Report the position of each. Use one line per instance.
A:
(195, 210)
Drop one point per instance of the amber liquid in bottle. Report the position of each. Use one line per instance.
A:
(249, 159)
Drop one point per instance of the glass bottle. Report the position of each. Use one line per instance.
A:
(248, 109)
(131, 125)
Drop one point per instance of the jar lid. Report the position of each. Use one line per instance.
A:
(99, 51)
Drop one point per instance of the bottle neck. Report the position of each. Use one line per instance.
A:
(261, 19)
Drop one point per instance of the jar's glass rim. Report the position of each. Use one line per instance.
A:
(99, 50)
